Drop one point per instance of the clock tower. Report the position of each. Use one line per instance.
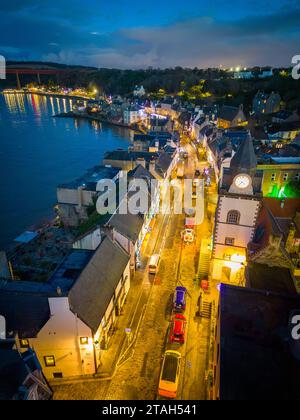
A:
(237, 212)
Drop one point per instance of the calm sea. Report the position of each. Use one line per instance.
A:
(38, 152)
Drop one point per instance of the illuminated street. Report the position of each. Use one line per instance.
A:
(150, 213)
(139, 368)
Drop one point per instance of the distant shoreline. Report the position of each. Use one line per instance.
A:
(55, 95)
(86, 116)
(70, 114)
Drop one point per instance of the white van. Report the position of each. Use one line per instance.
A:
(153, 264)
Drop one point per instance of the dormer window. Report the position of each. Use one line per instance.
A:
(233, 217)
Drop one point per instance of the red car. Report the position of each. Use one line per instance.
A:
(177, 331)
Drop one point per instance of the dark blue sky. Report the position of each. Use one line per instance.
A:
(138, 34)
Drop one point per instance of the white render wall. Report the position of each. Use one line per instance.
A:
(60, 338)
(74, 196)
(247, 208)
(243, 232)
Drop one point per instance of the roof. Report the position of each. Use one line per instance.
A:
(259, 360)
(283, 127)
(163, 163)
(283, 114)
(95, 287)
(280, 208)
(228, 113)
(91, 178)
(129, 225)
(170, 368)
(26, 237)
(14, 369)
(263, 277)
(130, 156)
(245, 159)
(139, 172)
(13, 373)
(25, 314)
(70, 269)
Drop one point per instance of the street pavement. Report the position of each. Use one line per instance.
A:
(135, 367)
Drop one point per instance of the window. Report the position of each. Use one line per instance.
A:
(273, 177)
(24, 344)
(233, 217)
(84, 341)
(297, 177)
(49, 361)
(285, 177)
(229, 241)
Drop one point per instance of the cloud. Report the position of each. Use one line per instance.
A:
(270, 39)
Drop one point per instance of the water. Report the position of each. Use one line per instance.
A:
(38, 152)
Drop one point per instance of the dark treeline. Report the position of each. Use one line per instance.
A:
(190, 83)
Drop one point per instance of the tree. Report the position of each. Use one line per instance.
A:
(292, 190)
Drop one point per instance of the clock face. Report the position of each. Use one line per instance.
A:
(242, 181)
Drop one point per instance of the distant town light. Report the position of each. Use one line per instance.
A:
(237, 68)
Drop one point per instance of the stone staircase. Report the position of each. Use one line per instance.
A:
(205, 309)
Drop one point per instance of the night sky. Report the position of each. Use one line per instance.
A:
(139, 34)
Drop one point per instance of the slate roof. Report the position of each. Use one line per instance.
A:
(245, 159)
(130, 156)
(129, 225)
(14, 369)
(163, 163)
(263, 277)
(140, 172)
(25, 314)
(95, 287)
(91, 178)
(228, 113)
(259, 360)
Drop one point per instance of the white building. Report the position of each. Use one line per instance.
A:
(68, 321)
(133, 114)
(243, 75)
(236, 216)
(139, 91)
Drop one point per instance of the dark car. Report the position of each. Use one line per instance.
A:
(179, 299)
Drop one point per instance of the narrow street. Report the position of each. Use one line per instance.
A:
(139, 376)
(133, 373)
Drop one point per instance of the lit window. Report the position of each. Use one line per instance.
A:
(84, 341)
(229, 241)
(24, 344)
(49, 361)
(233, 217)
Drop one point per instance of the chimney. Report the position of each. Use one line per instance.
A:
(152, 167)
(79, 196)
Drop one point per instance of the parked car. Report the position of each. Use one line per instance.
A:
(179, 302)
(169, 377)
(177, 330)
